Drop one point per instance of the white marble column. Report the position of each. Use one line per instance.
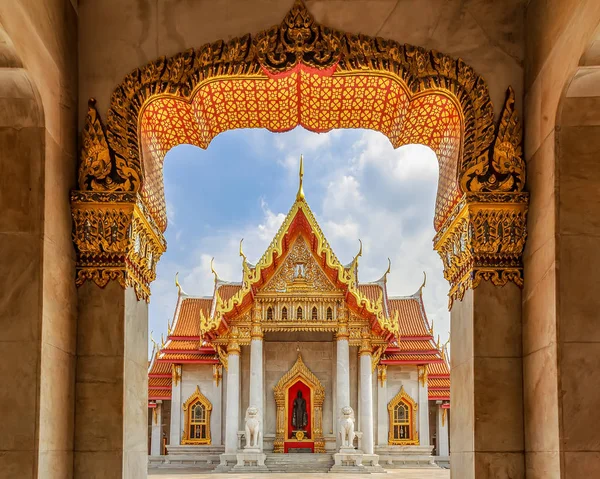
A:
(233, 398)
(256, 373)
(443, 448)
(366, 397)
(423, 407)
(156, 438)
(383, 417)
(342, 373)
(176, 405)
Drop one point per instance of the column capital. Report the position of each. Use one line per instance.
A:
(483, 239)
(342, 333)
(423, 370)
(382, 374)
(366, 347)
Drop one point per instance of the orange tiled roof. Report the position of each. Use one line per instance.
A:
(159, 393)
(437, 394)
(371, 291)
(183, 345)
(188, 320)
(187, 356)
(439, 382)
(159, 381)
(227, 291)
(160, 368)
(416, 345)
(413, 357)
(410, 315)
(439, 369)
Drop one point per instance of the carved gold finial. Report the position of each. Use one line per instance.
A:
(242, 252)
(212, 269)
(154, 345)
(162, 341)
(424, 282)
(431, 328)
(438, 344)
(180, 290)
(388, 271)
(300, 194)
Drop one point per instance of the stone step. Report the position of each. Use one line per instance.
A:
(304, 463)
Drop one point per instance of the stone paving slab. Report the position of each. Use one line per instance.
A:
(393, 474)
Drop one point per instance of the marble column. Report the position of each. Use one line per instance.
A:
(111, 398)
(486, 430)
(383, 418)
(342, 373)
(176, 406)
(256, 370)
(442, 432)
(423, 401)
(366, 397)
(233, 398)
(156, 438)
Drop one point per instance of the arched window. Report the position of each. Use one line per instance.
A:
(403, 416)
(197, 419)
(314, 313)
(284, 313)
(269, 313)
(329, 314)
(299, 312)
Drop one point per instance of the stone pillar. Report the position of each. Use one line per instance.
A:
(487, 384)
(382, 412)
(342, 373)
(111, 412)
(176, 429)
(366, 395)
(233, 397)
(156, 438)
(423, 402)
(442, 432)
(256, 369)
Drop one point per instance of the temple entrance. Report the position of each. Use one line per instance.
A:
(299, 398)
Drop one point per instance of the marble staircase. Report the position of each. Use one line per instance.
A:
(299, 463)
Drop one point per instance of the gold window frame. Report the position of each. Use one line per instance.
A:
(403, 397)
(196, 397)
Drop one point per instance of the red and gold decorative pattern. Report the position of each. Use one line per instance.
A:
(315, 101)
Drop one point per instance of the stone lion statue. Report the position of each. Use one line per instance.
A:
(252, 428)
(347, 427)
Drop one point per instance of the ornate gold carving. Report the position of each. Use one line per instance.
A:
(256, 331)
(299, 273)
(444, 416)
(299, 371)
(382, 374)
(222, 356)
(484, 240)
(196, 397)
(501, 168)
(176, 373)
(365, 343)
(376, 356)
(403, 397)
(155, 415)
(115, 240)
(217, 373)
(422, 369)
(233, 346)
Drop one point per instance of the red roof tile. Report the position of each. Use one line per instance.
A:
(188, 321)
(227, 291)
(410, 316)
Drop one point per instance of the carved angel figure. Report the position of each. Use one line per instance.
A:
(347, 427)
(252, 428)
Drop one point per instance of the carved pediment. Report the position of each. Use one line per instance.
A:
(299, 273)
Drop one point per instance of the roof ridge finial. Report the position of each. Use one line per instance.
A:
(388, 270)
(424, 282)
(212, 269)
(245, 260)
(300, 194)
(180, 290)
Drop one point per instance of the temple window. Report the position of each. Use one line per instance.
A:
(314, 313)
(299, 312)
(402, 410)
(197, 419)
(284, 313)
(329, 314)
(269, 313)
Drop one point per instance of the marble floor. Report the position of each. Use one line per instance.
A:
(391, 474)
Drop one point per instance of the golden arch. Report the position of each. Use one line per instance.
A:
(299, 371)
(302, 73)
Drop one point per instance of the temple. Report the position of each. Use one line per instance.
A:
(296, 341)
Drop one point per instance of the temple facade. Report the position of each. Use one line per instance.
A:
(295, 343)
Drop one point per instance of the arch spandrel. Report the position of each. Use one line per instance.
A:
(439, 101)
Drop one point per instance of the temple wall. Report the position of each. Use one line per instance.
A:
(557, 314)
(201, 375)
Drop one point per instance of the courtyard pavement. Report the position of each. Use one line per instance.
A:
(391, 474)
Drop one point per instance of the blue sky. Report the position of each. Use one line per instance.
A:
(243, 185)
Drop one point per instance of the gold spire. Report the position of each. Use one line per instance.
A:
(242, 251)
(300, 194)
(212, 269)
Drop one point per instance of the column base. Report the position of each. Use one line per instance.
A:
(352, 461)
(227, 462)
(250, 460)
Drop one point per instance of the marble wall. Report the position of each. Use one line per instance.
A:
(201, 375)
